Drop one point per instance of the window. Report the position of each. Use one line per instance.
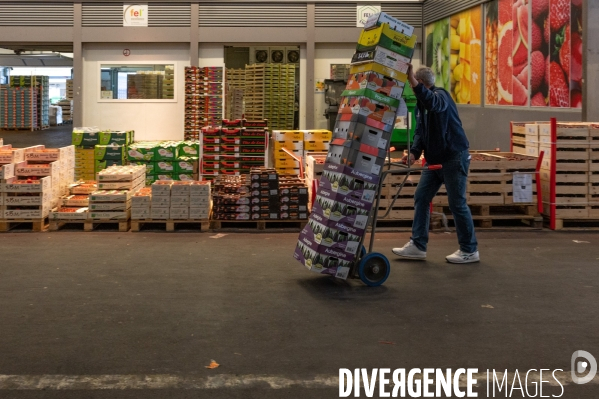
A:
(137, 82)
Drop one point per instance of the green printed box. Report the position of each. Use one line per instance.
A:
(103, 164)
(149, 166)
(161, 167)
(150, 178)
(189, 149)
(116, 152)
(85, 139)
(114, 137)
(186, 165)
(141, 153)
(165, 152)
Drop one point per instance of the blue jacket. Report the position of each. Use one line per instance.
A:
(440, 134)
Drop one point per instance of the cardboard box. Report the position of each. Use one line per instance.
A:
(68, 213)
(11, 155)
(286, 163)
(362, 133)
(123, 185)
(29, 169)
(187, 165)
(114, 138)
(161, 188)
(11, 199)
(360, 157)
(110, 196)
(40, 213)
(397, 25)
(189, 149)
(288, 135)
(115, 152)
(7, 171)
(316, 145)
(329, 241)
(380, 114)
(384, 57)
(164, 167)
(75, 200)
(122, 174)
(160, 213)
(148, 165)
(165, 152)
(199, 188)
(386, 37)
(290, 145)
(353, 218)
(376, 78)
(50, 154)
(108, 215)
(100, 165)
(13, 185)
(199, 214)
(349, 199)
(141, 153)
(321, 263)
(346, 180)
(85, 139)
(160, 202)
(141, 213)
(109, 206)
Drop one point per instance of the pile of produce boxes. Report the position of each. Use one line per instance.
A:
(96, 150)
(33, 179)
(172, 200)
(300, 143)
(234, 148)
(166, 160)
(203, 99)
(116, 186)
(347, 189)
(74, 205)
(261, 195)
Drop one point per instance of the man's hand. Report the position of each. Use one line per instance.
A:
(411, 77)
(408, 158)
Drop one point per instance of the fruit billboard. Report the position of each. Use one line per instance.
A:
(533, 53)
(453, 51)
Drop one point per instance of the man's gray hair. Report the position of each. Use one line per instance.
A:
(426, 74)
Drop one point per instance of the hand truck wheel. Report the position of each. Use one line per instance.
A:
(374, 269)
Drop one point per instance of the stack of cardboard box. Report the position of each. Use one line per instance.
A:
(347, 189)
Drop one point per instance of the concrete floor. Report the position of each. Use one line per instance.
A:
(134, 304)
(53, 137)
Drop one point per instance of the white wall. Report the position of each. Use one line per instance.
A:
(151, 121)
(335, 53)
(211, 55)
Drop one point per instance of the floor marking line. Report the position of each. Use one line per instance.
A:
(220, 381)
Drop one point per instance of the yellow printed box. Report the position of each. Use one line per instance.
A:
(386, 37)
(316, 145)
(290, 145)
(318, 135)
(288, 135)
(286, 163)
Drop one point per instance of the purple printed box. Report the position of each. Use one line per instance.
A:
(321, 263)
(347, 199)
(345, 180)
(333, 213)
(329, 241)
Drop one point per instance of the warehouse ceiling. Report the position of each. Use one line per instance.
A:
(36, 55)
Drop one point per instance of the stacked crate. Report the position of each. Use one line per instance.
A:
(350, 179)
(74, 206)
(85, 140)
(286, 105)
(231, 197)
(168, 82)
(203, 99)
(69, 93)
(573, 170)
(116, 186)
(42, 84)
(18, 108)
(254, 92)
(235, 83)
(293, 198)
(64, 157)
(67, 109)
(166, 160)
(300, 143)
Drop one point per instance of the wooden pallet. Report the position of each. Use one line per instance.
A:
(36, 224)
(89, 225)
(257, 224)
(487, 216)
(170, 224)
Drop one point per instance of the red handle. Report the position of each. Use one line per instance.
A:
(435, 167)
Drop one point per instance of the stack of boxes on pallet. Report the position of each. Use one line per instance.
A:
(261, 195)
(116, 186)
(19, 108)
(300, 143)
(234, 148)
(69, 90)
(42, 86)
(576, 167)
(33, 179)
(97, 150)
(166, 160)
(235, 82)
(279, 86)
(74, 206)
(203, 99)
(173, 200)
(348, 186)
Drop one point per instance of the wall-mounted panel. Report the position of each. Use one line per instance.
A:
(253, 14)
(406, 12)
(102, 14)
(169, 14)
(36, 14)
(335, 15)
(434, 10)
(286, 36)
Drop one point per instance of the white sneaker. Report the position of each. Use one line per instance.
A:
(463, 257)
(409, 251)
